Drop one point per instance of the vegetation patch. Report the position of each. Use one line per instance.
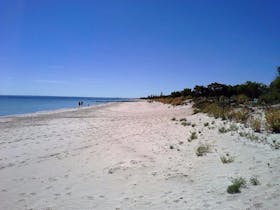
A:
(237, 183)
(226, 158)
(223, 130)
(272, 117)
(184, 124)
(202, 149)
(256, 125)
(193, 136)
(249, 136)
(254, 180)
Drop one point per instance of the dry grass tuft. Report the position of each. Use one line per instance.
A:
(272, 117)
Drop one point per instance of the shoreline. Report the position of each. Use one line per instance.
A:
(57, 111)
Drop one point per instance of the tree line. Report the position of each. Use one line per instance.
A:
(248, 91)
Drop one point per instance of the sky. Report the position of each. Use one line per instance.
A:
(133, 48)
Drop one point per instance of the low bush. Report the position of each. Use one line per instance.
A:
(233, 188)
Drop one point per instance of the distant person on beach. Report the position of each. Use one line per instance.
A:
(79, 103)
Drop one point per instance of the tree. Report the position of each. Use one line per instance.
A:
(217, 89)
(176, 94)
(186, 92)
(200, 91)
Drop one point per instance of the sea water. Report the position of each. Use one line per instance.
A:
(11, 105)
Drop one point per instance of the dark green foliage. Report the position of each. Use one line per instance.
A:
(176, 94)
(225, 95)
(232, 189)
(193, 136)
(237, 183)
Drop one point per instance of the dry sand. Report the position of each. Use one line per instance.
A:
(119, 156)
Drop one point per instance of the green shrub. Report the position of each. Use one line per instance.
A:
(183, 120)
(206, 124)
(173, 119)
(232, 189)
(237, 183)
(240, 181)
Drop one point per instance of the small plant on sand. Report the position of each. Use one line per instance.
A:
(184, 124)
(249, 136)
(206, 124)
(256, 125)
(173, 119)
(254, 180)
(202, 149)
(193, 125)
(171, 147)
(223, 130)
(183, 120)
(275, 144)
(232, 189)
(240, 181)
(272, 117)
(193, 136)
(227, 158)
(237, 183)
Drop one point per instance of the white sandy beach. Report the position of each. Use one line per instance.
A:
(130, 156)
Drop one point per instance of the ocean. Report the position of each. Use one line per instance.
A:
(11, 105)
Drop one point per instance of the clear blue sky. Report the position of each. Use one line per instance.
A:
(136, 47)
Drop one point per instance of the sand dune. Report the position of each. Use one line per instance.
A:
(130, 156)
